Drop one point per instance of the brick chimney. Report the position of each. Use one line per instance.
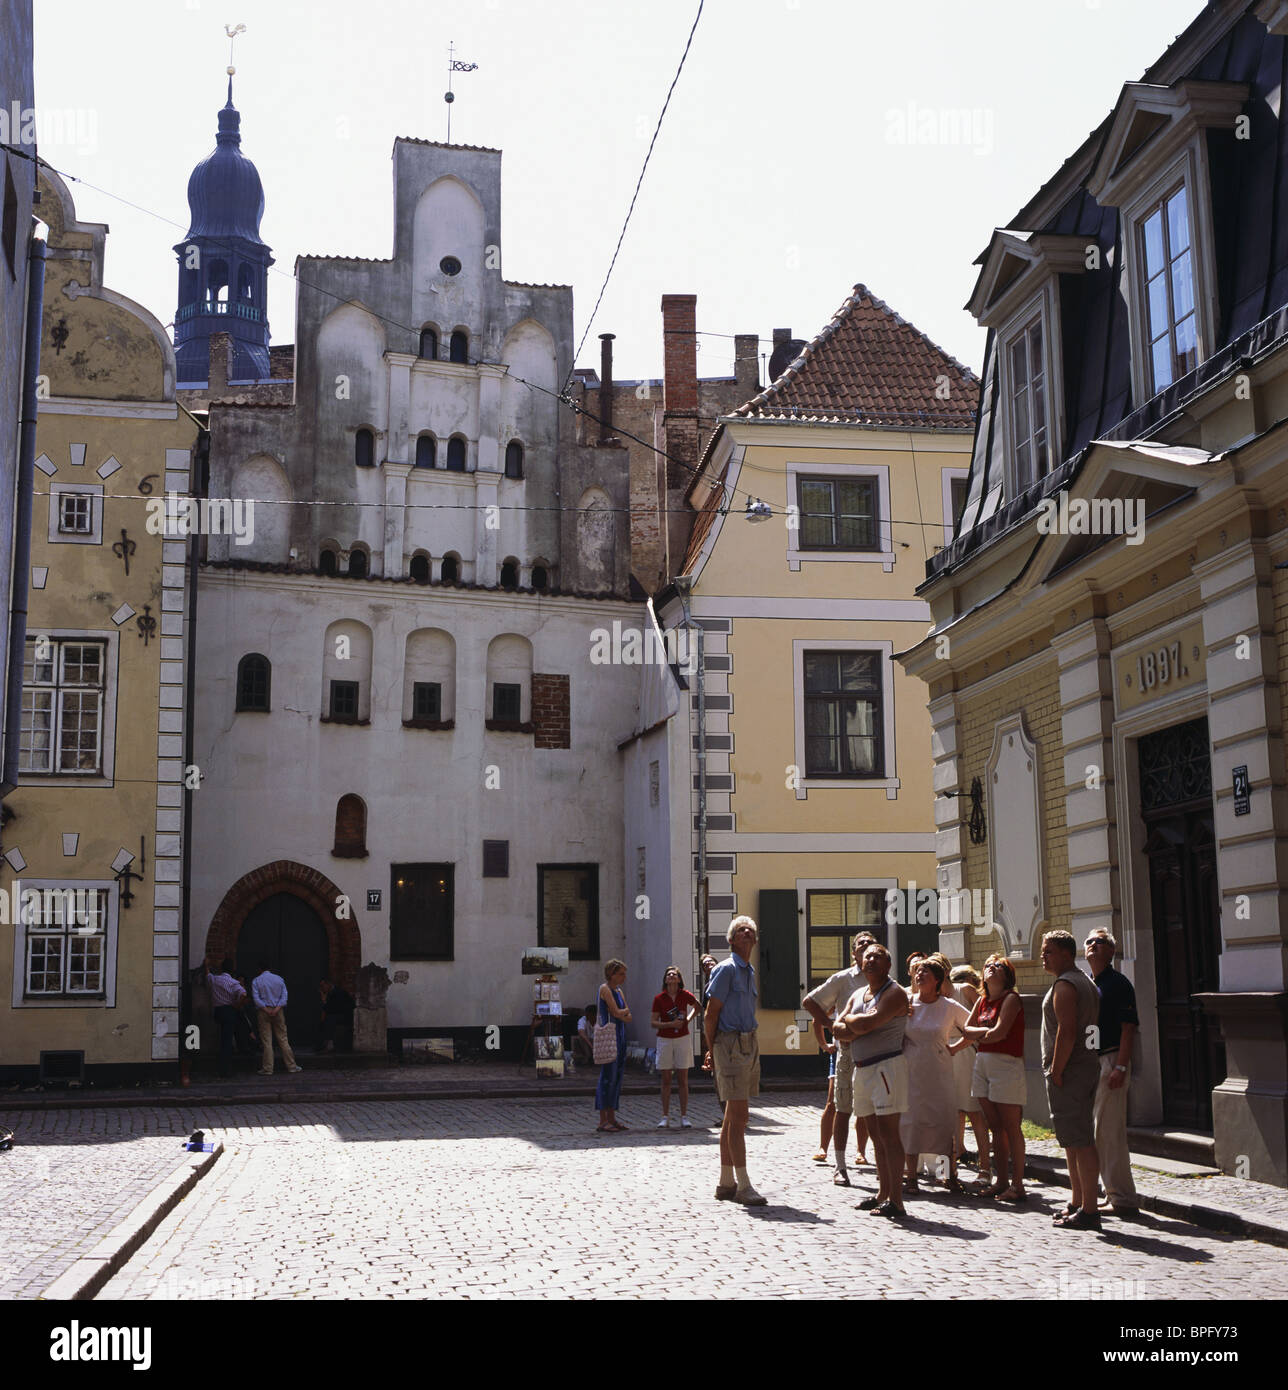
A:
(679, 416)
(606, 386)
(746, 363)
(221, 363)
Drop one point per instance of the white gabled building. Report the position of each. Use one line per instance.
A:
(395, 687)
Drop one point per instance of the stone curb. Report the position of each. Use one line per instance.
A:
(91, 1272)
(1220, 1219)
(189, 1098)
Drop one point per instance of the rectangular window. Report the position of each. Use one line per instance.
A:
(427, 700)
(838, 513)
(1171, 314)
(568, 908)
(832, 918)
(420, 912)
(76, 513)
(1029, 435)
(66, 936)
(844, 719)
(62, 707)
(959, 489)
(507, 702)
(344, 700)
(496, 859)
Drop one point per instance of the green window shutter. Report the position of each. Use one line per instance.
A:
(779, 975)
(911, 935)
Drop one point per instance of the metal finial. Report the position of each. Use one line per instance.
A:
(232, 31)
(449, 96)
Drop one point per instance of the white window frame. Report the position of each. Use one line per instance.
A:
(110, 934)
(105, 777)
(948, 476)
(94, 536)
(1043, 306)
(805, 886)
(1189, 170)
(890, 783)
(884, 552)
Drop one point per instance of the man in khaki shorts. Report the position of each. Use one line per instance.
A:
(734, 1054)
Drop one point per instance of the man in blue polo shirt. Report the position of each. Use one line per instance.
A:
(734, 1054)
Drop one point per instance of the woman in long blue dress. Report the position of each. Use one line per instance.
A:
(612, 1004)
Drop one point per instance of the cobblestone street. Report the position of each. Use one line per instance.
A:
(489, 1198)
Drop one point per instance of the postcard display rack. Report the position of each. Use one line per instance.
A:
(547, 1010)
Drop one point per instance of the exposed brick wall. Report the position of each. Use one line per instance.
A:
(680, 353)
(1037, 694)
(350, 828)
(551, 712)
(344, 939)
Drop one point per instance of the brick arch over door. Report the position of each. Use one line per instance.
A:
(344, 940)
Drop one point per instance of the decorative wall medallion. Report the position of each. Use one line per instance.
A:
(1015, 846)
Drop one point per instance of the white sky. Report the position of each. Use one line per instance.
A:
(778, 180)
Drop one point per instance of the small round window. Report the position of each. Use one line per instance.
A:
(449, 265)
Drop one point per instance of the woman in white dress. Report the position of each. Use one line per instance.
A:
(930, 1122)
(964, 983)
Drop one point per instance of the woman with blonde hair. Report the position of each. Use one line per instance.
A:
(996, 1026)
(966, 985)
(612, 1004)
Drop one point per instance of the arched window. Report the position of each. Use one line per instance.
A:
(510, 574)
(429, 343)
(459, 348)
(254, 679)
(456, 454)
(245, 283)
(425, 451)
(514, 459)
(350, 828)
(358, 563)
(420, 568)
(451, 570)
(540, 577)
(327, 562)
(364, 449)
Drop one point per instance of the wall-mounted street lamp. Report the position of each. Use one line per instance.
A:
(758, 510)
(977, 824)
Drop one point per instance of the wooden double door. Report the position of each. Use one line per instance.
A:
(285, 931)
(1180, 843)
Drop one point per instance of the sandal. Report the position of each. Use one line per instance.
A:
(911, 1185)
(1013, 1194)
(1064, 1213)
(1080, 1221)
(840, 1179)
(821, 1156)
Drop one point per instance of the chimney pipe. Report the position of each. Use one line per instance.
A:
(606, 386)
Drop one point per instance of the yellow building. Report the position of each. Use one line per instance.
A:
(816, 798)
(91, 986)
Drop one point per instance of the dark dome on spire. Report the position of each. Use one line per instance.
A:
(225, 196)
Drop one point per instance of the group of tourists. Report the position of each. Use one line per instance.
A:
(914, 1066)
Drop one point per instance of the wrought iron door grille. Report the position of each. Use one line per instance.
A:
(1175, 766)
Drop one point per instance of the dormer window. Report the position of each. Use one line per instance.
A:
(1154, 168)
(1027, 387)
(1171, 314)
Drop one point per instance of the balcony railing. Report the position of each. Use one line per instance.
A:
(218, 306)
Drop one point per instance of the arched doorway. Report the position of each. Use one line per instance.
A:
(321, 934)
(287, 933)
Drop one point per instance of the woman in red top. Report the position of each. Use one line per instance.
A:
(672, 1010)
(996, 1026)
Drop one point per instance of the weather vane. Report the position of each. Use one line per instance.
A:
(232, 31)
(453, 65)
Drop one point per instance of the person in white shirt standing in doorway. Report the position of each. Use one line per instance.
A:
(269, 993)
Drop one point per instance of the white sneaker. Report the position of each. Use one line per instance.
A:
(673, 1123)
(664, 1123)
(685, 1122)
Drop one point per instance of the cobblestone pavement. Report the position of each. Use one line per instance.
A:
(69, 1179)
(519, 1198)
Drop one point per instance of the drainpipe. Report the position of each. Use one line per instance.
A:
(684, 587)
(199, 488)
(22, 513)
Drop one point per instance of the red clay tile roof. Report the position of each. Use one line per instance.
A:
(871, 366)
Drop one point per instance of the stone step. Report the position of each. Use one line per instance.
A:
(1185, 1146)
